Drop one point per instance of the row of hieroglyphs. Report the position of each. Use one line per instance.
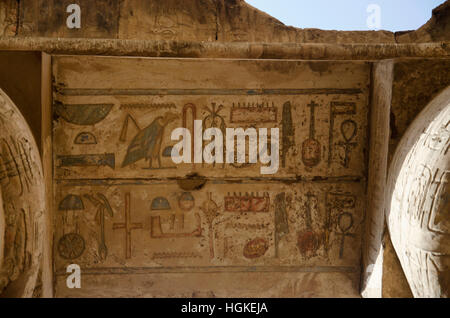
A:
(158, 223)
(145, 133)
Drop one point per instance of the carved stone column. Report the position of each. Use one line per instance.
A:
(22, 205)
(418, 200)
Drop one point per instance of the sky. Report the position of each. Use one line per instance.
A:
(348, 15)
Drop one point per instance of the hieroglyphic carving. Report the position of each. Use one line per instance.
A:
(313, 237)
(148, 106)
(69, 208)
(440, 140)
(345, 224)
(166, 26)
(256, 248)
(15, 164)
(186, 202)
(281, 219)
(286, 104)
(85, 138)
(15, 243)
(249, 113)
(103, 209)
(173, 255)
(158, 233)
(439, 221)
(421, 183)
(339, 109)
(348, 130)
(339, 216)
(94, 160)
(247, 203)
(127, 225)
(288, 132)
(210, 210)
(83, 114)
(71, 246)
(230, 233)
(126, 123)
(247, 227)
(147, 143)
(245, 232)
(311, 148)
(214, 120)
(193, 109)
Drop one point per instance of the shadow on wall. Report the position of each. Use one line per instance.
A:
(20, 79)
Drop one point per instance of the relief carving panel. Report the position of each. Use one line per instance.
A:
(119, 204)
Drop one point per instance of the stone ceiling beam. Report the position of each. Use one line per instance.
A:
(226, 50)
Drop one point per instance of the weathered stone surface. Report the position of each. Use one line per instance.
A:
(22, 223)
(189, 20)
(436, 29)
(200, 285)
(310, 51)
(240, 22)
(416, 83)
(100, 19)
(395, 284)
(9, 10)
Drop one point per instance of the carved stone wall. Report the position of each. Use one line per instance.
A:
(9, 18)
(121, 214)
(22, 225)
(190, 20)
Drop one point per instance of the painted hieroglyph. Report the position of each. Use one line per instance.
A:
(121, 206)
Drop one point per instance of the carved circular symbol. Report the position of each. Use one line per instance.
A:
(311, 152)
(345, 222)
(71, 246)
(256, 248)
(186, 201)
(308, 242)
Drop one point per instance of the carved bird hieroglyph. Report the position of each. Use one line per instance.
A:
(147, 143)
